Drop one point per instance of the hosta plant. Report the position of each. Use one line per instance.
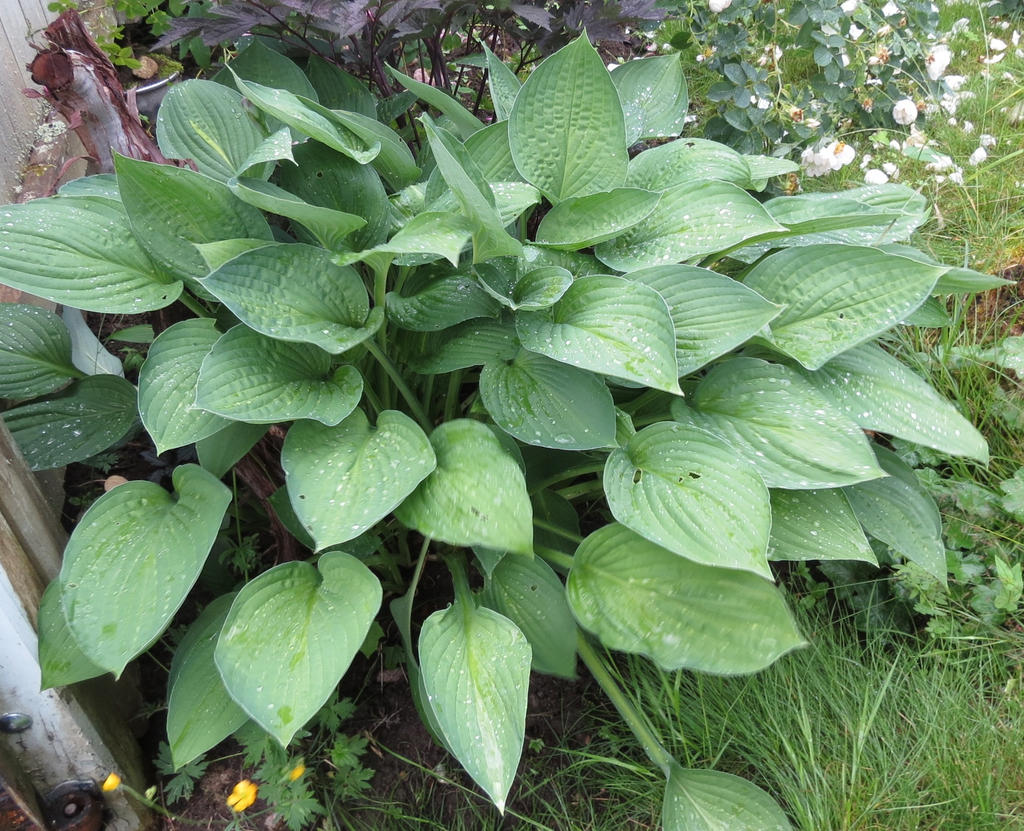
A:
(607, 389)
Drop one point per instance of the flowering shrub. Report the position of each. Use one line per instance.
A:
(797, 72)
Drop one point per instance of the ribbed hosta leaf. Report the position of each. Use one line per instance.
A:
(691, 220)
(607, 325)
(476, 671)
(472, 343)
(296, 292)
(502, 83)
(712, 313)
(709, 800)
(536, 288)
(291, 634)
(547, 403)
(35, 351)
(475, 496)
(837, 296)
(654, 97)
(687, 160)
(344, 479)
(692, 493)
(639, 597)
(566, 128)
(794, 435)
(816, 525)
(431, 302)
(880, 393)
(582, 221)
(248, 377)
(167, 385)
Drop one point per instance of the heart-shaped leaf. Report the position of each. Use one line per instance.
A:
(686, 161)
(219, 453)
(537, 288)
(582, 221)
(343, 479)
(475, 496)
(566, 129)
(547, 403)
(167, 385)
(61, 660)
(291, 634)
(35, 351)
(692, 493)
(881, 393)
(295, 292)
(607, 325)
(709, 800)
(795, 436)
(117, 606)
(200, 713)
(89, 259)
(653, 95)
(528, 592)
(816, 525)
(82, 420)
(471, 343)
(712, 314)
(430, 302)
(837, 296)
(639, 597)
(476, 671)
(249, 377)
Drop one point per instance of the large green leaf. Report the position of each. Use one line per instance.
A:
(426, 234)
(691, 220)
(462, 120)
(290, 635)
(167, 385)
(80, 251)
(476, 671)
(528, 592)
(472, 343)
(816, 525)
(337, 89)
(639, 597)
(712, 314)
(685, 161)
(608, 325)
(692, 493)
(171, 208)
(582, 221)
(489, 150)
(566, 129)
(35, 351)
(330, 227)
(258, 62)
(547, 403)
(343, 479)
(653, 95)
(116, 606)
(219, 453)
(502, 83)
(490, 239)
(61, 660)
(200, 713)
(206, 122)
(534, 288)
(881, 393)
(301, 114)
(394, 162)
(295, 292)
(322, 176)
(82, 420)
(900, 513)
(837, 296)
(709, 800)
(475, 496)
(430, 301)
(249, 377)
(795, 436)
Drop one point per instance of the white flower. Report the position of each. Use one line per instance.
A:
(874, 176)
(891, 169)
(996, 45)
(717, 6)
(762, 103)
(986, 140)
(961, 26)
(937, 62)
(915, 139)
(967, 127)
(812, 123)
(957, 177)
(942, 162)
(890, 8)
(954, 82)
(977, 157)
(855, 31)
(951, 122)
(849, 6)
(865, 160)
(949, 102)
(904, 112)
(1015, 38)
(841, 152)
(993, 58)
(814, 163)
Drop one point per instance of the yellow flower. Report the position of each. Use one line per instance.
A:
(296, 772)
(243, 795)
(111, 783)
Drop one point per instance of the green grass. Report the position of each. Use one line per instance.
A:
(852, 736)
